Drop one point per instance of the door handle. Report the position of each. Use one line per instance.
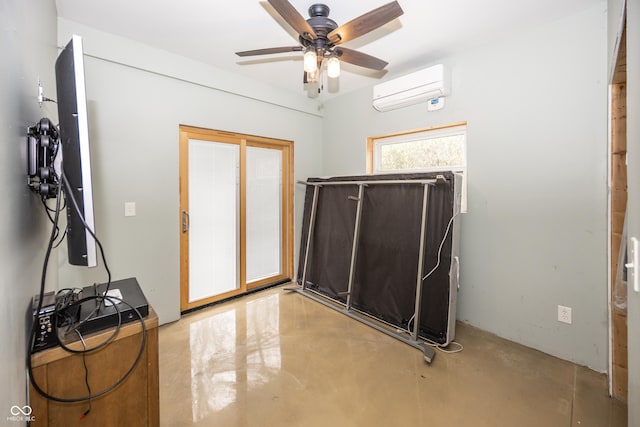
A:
(185, 221)
(634, 256)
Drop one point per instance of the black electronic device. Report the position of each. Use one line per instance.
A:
(72, 311)
(44, 321)
(57, 311)
(97, 314)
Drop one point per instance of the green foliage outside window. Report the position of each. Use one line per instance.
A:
(445, 151)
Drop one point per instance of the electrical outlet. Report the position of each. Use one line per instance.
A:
(564, 314)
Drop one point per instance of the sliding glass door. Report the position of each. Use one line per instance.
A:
(236, 214)
(264, 213)
(214, 208)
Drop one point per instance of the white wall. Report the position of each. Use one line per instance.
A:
(137, 98)
(535, 234)
(28, 51)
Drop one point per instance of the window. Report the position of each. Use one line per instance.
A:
(440, 148)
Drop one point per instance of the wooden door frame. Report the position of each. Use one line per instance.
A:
(243, 140)
(618, 380)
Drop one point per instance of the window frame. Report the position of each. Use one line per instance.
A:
(375, 143)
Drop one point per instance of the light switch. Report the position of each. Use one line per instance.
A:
(129, 208)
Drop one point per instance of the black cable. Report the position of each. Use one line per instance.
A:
(78, 325)
(45, 266)
(43, 276)
(58, 310)
(86, 373)
(137, 359)
(48, 211)
(74, 202)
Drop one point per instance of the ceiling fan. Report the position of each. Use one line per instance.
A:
(321, 38)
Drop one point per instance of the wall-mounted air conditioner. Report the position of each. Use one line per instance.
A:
(430, 83)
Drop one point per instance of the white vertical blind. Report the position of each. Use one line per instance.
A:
(214, 218)
(264, 213)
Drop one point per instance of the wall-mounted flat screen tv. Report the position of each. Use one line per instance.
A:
(76, 162)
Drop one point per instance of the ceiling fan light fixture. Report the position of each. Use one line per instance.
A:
(310, 61)
(313, 76)
(333, 67)
(319, 36)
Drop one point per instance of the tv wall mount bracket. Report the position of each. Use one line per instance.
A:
(42, 148)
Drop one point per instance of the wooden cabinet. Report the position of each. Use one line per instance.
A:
(62, 374)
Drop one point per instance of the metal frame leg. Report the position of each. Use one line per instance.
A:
(419, 281)
(312, 224)
(354, 246)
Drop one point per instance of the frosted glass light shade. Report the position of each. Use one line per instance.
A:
(333, 67)
(310, 61)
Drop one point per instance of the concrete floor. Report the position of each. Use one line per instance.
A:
(279, 359)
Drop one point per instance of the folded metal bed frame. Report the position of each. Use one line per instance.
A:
(413, 339)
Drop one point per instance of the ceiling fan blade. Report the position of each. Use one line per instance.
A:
(361, 59)
(293, 18)
(365, 23)
(270, 51)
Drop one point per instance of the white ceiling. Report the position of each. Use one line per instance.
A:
(211, 31)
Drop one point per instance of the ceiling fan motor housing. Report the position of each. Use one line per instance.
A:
(322, 26)
(318, 9)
